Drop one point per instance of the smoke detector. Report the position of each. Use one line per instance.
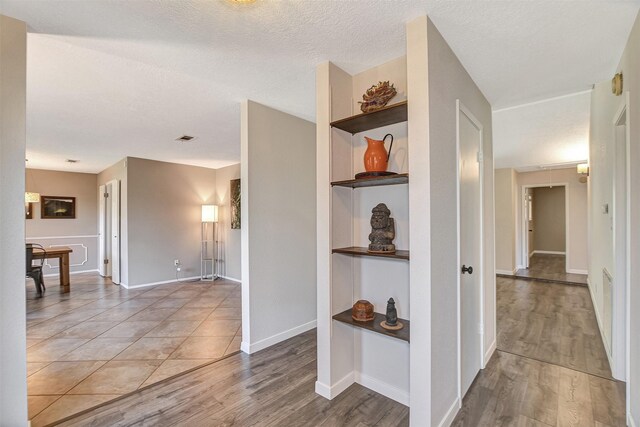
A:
(185, 138)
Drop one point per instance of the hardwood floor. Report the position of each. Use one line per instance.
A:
(518, 391)
(553, 323)
(549, 268)
(274, 387)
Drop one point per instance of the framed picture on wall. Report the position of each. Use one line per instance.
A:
(56, 207)
(28, 210)
(235, 203)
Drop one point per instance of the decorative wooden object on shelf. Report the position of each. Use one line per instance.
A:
(401, 178)
(362, 311)
(377, 96)
(360, 251)
(385, 116)
(374, 325)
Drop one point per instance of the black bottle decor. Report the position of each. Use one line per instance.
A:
(391, 318)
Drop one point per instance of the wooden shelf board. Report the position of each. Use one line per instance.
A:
(374, 325)
(401, 178)
(389, 115)
(360, 251)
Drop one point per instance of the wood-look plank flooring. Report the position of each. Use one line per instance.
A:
(517, 391)
(550, 267)
(553, 323)
(274, 387)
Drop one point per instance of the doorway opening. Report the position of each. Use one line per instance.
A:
(109, 230)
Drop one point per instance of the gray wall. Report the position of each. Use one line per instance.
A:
(13, 343)
(231, 238)
(164, 218)
(278, 225)
(81, 233)
(505, 193)
(449, 81)
(118, 171)
(549, 221)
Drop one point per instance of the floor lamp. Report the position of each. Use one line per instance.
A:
(208, 249)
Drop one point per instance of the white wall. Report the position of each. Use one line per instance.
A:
(278, 226)
(505, 195)
(231, 238)
(576, 192)
(80, 233)
(448, 81)
(13, 343)
(604, 107)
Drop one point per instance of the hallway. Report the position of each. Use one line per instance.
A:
(550, 367)
(550, 267)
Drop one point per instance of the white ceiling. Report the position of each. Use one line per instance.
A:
(110, 78)
(549, 132)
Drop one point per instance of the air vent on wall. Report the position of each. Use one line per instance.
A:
(185, 138)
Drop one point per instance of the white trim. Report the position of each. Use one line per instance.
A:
(506, 272)
(340, 386)
(275, 339)
(537, 251)
(600, 328)
(523, 236)
(392, 392)
(86, 256)
(451, 414)
(71, 272)
(542, 101)
(164, 282)
(62, 237)
(489, 353)
(577, 271)
(461, 108)
(630, 420)
(231, 279)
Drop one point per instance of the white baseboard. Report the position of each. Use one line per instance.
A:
(275, 339)
(489, 352)
(548, 252)
(451, 414)
(576, 271)
(231, 279)
(71, 273)
(600, 328)
(383, 388)
(630, 420)
(506, 272)
(164, 282)
(531, 254)
(340, 386)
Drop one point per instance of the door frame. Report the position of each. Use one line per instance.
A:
(620, 357)
(524, 236)
(461, 108)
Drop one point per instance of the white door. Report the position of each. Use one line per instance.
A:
(102, 221)
(470, 290)
(115, 231)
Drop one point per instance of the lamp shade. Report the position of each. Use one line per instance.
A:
(209, 213)
(31, 197)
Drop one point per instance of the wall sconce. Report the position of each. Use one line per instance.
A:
(617, 84)
(583, 170)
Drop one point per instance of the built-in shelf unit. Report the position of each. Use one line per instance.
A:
(364, 352)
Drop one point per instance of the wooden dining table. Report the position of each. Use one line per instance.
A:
(62, 254)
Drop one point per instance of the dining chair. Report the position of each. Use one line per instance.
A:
(35, 271)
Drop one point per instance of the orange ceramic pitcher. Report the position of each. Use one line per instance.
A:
(376, 158)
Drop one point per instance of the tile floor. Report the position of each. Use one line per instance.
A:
(101, 341)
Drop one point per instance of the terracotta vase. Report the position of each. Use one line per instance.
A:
(376, 158)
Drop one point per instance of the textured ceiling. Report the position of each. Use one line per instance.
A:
(108, 79)
(544, 133)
